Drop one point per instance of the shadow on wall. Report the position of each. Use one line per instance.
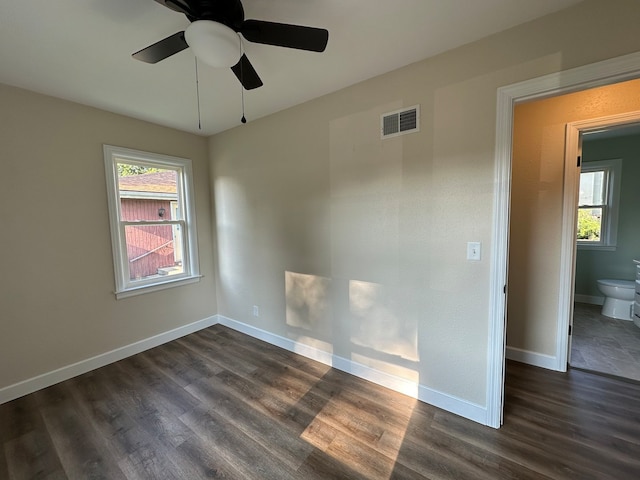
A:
(376, 336)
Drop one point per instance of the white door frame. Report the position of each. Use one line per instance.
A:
(598, 74)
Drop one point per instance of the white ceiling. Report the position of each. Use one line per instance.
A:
(80, 50)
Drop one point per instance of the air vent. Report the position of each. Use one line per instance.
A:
(400, 122)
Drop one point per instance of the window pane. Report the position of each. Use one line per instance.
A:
(592, 188)
(152, 219)
(589, 224)
(152, 252)
(147, 193)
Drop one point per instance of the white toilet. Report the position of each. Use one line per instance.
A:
(619, 296)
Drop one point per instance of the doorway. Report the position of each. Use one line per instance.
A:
(606, 243)
(600, 74)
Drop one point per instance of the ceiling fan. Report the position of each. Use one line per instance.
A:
(213, 37)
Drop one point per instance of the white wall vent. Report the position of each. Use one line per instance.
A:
(400, 122)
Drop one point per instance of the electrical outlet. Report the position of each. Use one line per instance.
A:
(256, 311)
(473, 250)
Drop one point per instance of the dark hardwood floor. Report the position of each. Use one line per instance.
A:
(219, 404)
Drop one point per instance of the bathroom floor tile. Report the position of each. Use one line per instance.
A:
(603, 344)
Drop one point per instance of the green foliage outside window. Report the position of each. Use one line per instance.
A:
(588, 226)
(125, 170)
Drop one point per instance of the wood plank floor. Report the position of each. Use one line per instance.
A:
(219, 404)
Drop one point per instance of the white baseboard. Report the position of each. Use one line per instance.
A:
(65, 373)
(532, 358)
(425, 394)
(592, 299)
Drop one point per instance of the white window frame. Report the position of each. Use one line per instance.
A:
(124, 286)
(609, 230)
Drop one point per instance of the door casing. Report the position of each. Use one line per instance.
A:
(610, 71)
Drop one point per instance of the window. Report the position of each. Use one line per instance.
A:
(598, 204)
(152, 216)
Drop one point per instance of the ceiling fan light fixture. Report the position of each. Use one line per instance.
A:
(218, 43)
(214, 43)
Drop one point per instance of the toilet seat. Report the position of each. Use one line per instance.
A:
(618, 283)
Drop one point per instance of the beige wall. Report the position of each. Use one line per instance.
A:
(57, 304)
(536, 214)
(356, 245)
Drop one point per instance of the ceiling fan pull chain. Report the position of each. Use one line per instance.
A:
(198, 95)
(243, 119)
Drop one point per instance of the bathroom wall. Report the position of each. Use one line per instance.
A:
(594, 264)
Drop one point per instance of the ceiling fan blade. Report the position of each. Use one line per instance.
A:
(162, 49)
(285, 35)
(176, 5)
(246, 74)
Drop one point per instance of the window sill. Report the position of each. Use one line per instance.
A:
(131, 292)
(602, 248)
